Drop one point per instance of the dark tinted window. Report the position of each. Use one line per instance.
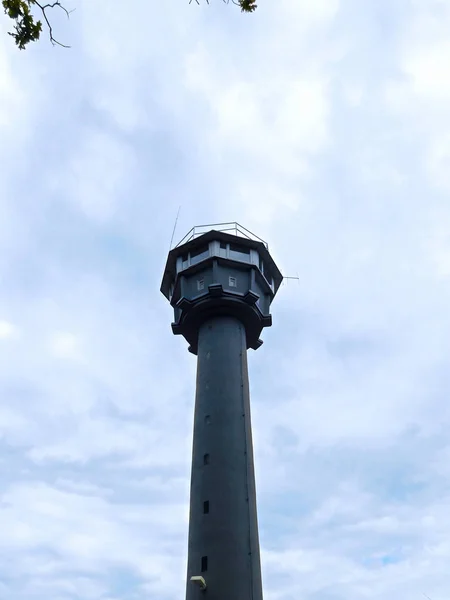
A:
(199, 251)
(240, 249)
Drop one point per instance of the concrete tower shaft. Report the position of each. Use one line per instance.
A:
(223, 529)
(221, 285)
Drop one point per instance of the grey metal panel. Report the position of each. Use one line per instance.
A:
(191, 282)
(242, 278)
(228, 534)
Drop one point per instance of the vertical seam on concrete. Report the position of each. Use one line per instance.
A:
(247, 491)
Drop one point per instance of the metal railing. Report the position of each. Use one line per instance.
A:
(231, 228)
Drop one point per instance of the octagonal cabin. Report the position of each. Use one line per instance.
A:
(217, 272)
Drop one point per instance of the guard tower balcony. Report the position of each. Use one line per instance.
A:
(220, 269)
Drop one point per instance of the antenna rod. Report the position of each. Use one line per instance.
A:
(174, 227)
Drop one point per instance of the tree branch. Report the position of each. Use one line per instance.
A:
(43, 8)
(246, 5)
(26, 28)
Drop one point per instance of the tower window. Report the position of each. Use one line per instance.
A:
(199, 251)
(239, 253)
(206, 459)
(206, 507)
(204, 564)
(240, 249)
(232, 282)
(199, 254)
(223, 245)
(200, 284)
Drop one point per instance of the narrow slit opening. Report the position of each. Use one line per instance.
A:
(204, 563)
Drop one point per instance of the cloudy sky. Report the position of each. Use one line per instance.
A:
(324, 127)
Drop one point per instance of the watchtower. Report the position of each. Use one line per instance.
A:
(221, 280)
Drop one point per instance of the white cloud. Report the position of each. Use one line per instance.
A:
(270, 122)
(422, 93)
(13, 105)
(65, 345)
(90, 534)
(438, 162)
(7, 330)
(96, 175)
(306, 14)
